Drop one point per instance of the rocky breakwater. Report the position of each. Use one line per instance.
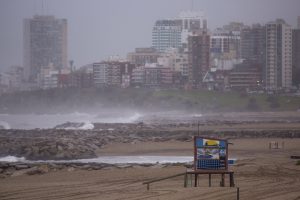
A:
(60, 144)
(50, 144)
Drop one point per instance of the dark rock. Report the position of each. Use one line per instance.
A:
(21, 172)
(85, 167)
(35, 170)
(21, 166)
(4, 165)
(9, 171)
(97, 167)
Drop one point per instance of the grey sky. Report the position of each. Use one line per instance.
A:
(100, 28)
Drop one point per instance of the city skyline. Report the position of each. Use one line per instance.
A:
(93, 35)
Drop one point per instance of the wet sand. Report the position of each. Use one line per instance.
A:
(260, 173)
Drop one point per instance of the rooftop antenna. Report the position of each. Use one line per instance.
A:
(192, 5)
(198, 128)
(43, 10)
(34, 7)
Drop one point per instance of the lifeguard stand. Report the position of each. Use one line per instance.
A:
(210, 157)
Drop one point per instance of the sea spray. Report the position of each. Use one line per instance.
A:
(46, 121)
(4, 125)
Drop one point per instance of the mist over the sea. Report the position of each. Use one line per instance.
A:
(46, 121)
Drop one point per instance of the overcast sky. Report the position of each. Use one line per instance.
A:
(100, 28)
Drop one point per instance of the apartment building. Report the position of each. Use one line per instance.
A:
(278, 70)
(45, 43)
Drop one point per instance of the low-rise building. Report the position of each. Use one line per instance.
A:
(246, 76)
(157, 76)
(4, 83)
(141, 56)
(175, 59)
(13, 79)
(49, 77)
(138, 77)
(112, 73)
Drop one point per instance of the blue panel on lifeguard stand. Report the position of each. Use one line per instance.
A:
(222, 144)
(199, 142)
(209, 164)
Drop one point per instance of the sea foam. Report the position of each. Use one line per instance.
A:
(110, 160)
(12, 159)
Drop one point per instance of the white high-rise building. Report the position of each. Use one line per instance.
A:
(45, 43)
(173, 33)
(166, 34)
(278, 71)
(191, 21)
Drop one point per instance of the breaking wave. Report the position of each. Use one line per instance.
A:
(12, 159)
(45, 121)
(4, 125)
(77, 126)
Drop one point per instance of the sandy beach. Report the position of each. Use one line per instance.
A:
(260, 173)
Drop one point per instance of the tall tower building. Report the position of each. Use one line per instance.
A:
(173, 33)
(45, 43)
(296, 57)
(198, 57)
(253, 44)
(278, 55)
(166, 34)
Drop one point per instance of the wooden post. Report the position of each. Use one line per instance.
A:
(196, 180)
(231, 179)
(161, 179)
(222, 180)
(209, 178)
(185, 180)
(238, 193)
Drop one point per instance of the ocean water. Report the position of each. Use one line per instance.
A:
(44, 121)
(110, 160)
(116, 160)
